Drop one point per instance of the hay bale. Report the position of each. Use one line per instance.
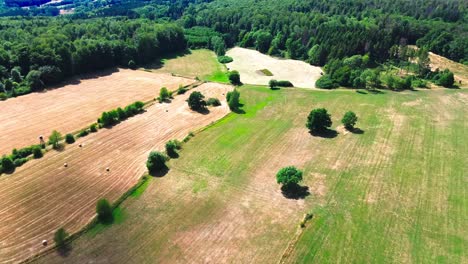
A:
(107, 169)
(44, 242)
(65, 164)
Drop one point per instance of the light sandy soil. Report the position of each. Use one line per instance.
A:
(249, 62)
(43, 195)
(75, 106)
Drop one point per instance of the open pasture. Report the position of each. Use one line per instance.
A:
(76, 105)
(43, 195)
(395, 191)
(256, 68)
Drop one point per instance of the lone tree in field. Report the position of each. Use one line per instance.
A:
(234, 77)
(289, 177)
(318, 120)
(349, 120)
(54, 139)
(233, 99)
(196, 101)
(60, 237)
(156, 162)
(104, 211)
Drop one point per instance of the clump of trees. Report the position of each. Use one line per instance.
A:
(318, 120)
(69, 139)
(282, 83)
(164, 95)
(213, 102)
(172, 146)
(60, 238)
(156, 162)
(444, 78)
(104, 211)
(233, 100)
(117, 115)
(196, 101)
(349, 120)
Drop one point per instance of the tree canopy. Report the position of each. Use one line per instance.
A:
(318, 120)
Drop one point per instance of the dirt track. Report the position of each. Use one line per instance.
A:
(75, 106)
(43, 195)
(249, 62)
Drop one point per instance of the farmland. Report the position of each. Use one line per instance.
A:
(76, 105)
(43, 195)
(252, 66)
(394, 192)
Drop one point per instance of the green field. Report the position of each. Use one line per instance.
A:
(394, 193)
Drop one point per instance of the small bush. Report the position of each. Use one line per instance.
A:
(418, 83)
(93, 128)
(225, 59)
(349, 120)
(234, 77)
(104, 211)
(7, 164)
(156, 162)
(188, 137)
(3, 96)
(19, 162)
(83, 133)
(171, 148)
(69, 138)
(181, 90)
(164, 95)
(37, 152)
(325, 82)
(54, 139)
(213, 102)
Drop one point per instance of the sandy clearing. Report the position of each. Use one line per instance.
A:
(75, 106)
(42, 196)
(459, 70)
(249, 62)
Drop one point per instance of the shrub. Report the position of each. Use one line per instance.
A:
(325, 82)
(164, 95)
(83, 133)
(132, 65)
(284, 84)
(3, 96)
(289, 176)
(21, 153)
(318, 120)
(104, 211)
(92, 128)
(156, 162)
(196, 102)
(225, 59)
(273, 84)
(419, 83)
(172, 146)
(37, 152)
(60, 237)
(121, 114)
(54, 139)
(19, 162)
(7, 164)
(69, 138)
(349, 120)
(213, 102)
(445, 78)
(181, 90)
(234, 77)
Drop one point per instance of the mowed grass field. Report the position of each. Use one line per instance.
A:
(44, 195)
(201, 63)
(397, 192)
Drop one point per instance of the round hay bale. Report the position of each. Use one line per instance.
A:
(44, 242)
(80, 145)
(65, 164)
(107, 169)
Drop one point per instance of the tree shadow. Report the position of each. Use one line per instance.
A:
(159, 63)
(60, 147)
(295, 191)
(361, 92)
(10, 171)
(173, 154)
(160, 173)
(325, 133)
(275, 88)
(64, 250)
(356, 130)
(375, 91)
(203, 111)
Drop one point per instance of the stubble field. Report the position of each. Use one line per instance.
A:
(43, 195)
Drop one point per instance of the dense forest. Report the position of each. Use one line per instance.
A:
(39, 48)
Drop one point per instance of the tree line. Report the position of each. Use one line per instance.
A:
(39, 52)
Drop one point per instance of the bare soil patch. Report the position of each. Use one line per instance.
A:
(459, 70)
(75, 105)
(250, 62)
(43, 195)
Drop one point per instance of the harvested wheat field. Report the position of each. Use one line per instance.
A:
(250, 64)
(75, 106)
(459, 70)
(43, 195)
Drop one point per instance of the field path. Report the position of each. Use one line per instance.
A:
(75, 106)
(43, 195)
